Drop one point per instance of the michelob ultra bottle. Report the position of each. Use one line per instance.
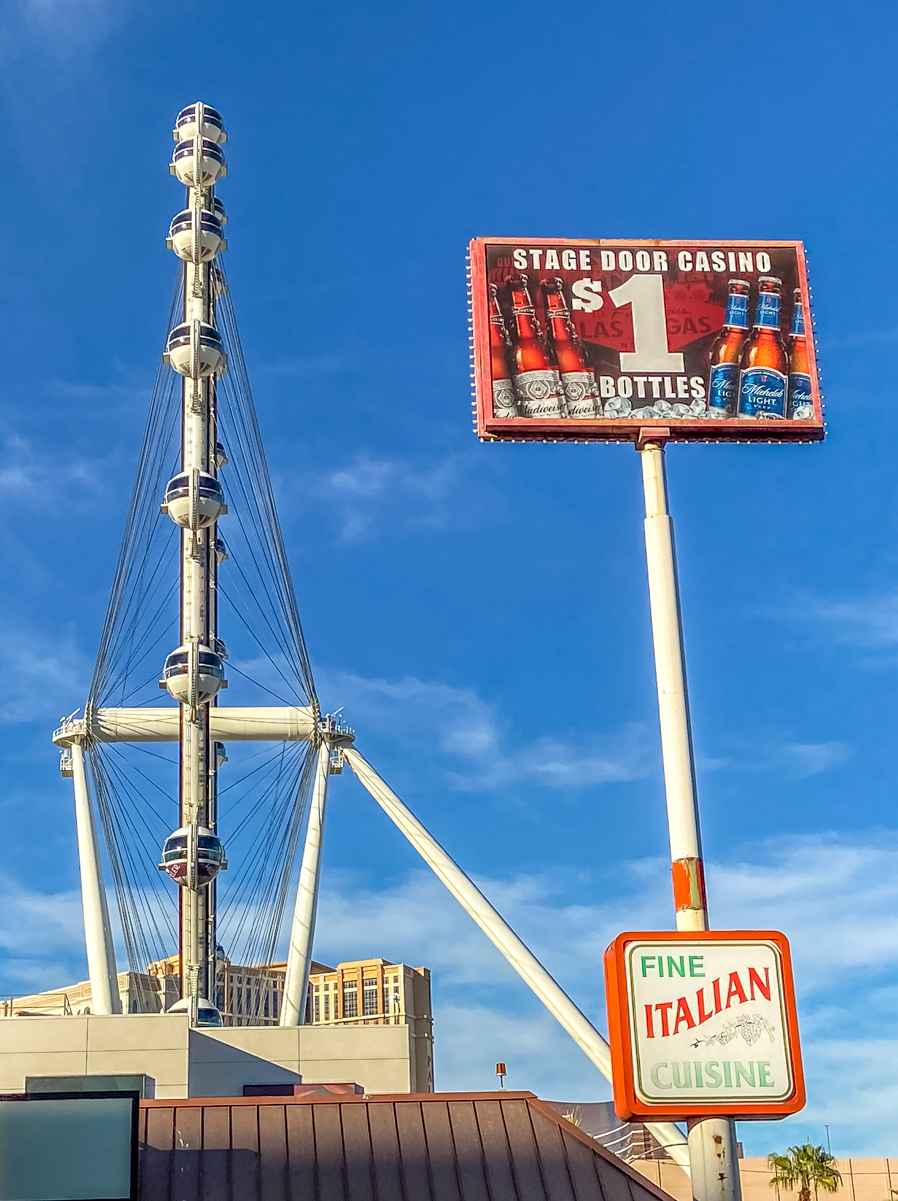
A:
(581, 395)
(801, 402)
(723, 378)
(763, 367)
(535, 379)
(503, 389)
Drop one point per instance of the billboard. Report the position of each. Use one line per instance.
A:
(703, 1023)
(605, 339)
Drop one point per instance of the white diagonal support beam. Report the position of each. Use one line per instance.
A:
(302, 932)
(501, 935)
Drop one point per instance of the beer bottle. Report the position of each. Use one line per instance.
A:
(581, 396)
(801, 403)
(724, 355)
(503, 389)
(536, 381)
(763, 366)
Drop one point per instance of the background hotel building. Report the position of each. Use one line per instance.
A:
(360, 992)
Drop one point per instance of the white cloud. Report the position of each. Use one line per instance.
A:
(372, 494)
(45, 480)
(812, 758)
(870, 621)
(43, 676)
(486, 751)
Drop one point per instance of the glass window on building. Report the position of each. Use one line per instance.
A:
(327, 1004)
(369, 998)
(350, 999)
(316, 1004)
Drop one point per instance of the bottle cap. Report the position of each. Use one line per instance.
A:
(769, 279)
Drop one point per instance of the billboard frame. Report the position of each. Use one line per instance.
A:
(615, 429)
(627, 1102)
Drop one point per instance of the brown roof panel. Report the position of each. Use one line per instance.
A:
(429, 1147)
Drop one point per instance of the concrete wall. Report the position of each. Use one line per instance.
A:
(206, 1062)
(862, 1180)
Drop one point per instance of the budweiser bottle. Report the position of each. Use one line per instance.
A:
(801, 403)
(723, 378)
(535, 379)
(763, 366)
(581, 396)
(503, 389)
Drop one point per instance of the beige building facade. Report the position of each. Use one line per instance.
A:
(874, 1179)
(207, 1062)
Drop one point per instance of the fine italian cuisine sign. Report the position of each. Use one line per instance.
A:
(703, 1023)
(606, 339)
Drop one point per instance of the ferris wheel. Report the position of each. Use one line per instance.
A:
(162, 769)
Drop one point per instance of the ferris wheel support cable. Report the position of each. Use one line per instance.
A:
(258, 684)
(133, 658)
(135, 508)
(501, 935)
(276, 589)
(112, 746)
(268, 768)
(134, 931)
(122, 811)
(302, 932)
(268, 506)
(246, 890)
(261, 867)
(282, 637)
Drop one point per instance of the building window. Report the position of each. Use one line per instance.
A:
(350, 999)
(369, 998)
(327, 1004)
(316, 1010)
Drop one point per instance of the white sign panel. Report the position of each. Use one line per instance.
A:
(708, 1022)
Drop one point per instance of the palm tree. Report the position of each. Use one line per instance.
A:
(808, 1168)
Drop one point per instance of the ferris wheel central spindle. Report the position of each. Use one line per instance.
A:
(194, 671)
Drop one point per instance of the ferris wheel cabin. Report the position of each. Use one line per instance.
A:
(210, 856)
(200, 510)
(195, 348)
(208, 240)
(199, 120)
(210, 674)
(198, 163)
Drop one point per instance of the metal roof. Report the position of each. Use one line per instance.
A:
(506, 1146)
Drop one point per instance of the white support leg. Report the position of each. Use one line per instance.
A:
(302, 932)
(505, 940)
(97, 931)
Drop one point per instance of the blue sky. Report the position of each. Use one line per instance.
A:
(481, 611)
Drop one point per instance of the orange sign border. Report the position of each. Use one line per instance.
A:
(625, 429)
(627, 1104)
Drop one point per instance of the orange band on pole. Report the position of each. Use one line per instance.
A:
(688, 884)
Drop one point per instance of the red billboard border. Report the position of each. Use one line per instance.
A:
(529, 429)
(627, 1104)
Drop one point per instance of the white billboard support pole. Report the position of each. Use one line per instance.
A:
(104, 997)
(712, 1141)
(501, 935)
(302, 933)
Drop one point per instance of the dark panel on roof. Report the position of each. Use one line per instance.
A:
(468, 1151)
(451, 1147)
(273, 1153)
(496, 1153)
